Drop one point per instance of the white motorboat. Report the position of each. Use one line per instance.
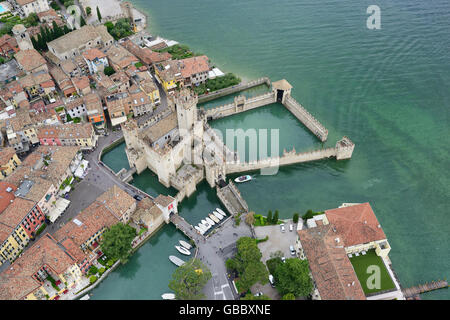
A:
(243, 179)
(218, 215)
(199, 230)
(168, 296)
(206, 224)
(185, 244)
(176, 261)
(203, 227)
(214, 218)
(210, 221)
(183, 250)
(221, 212)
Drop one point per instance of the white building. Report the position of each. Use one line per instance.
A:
(25, 7)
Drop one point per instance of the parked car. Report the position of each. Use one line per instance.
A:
(282, 227)
(271, 280)
(283, 259)
(291, 227)
(291, 248)
(258, 294)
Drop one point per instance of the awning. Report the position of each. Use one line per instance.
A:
(117, 121)
(60, 205)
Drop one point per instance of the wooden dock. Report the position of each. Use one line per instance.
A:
(422, 288)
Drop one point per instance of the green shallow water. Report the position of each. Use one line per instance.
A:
(387, 89)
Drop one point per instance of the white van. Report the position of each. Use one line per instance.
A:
(282, 227)
(291, 227)
(272, 282)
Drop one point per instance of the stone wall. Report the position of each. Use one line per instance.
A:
(306, 118)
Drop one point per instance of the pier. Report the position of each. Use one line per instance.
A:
(422, 288)
(232, 199)
(188, 230)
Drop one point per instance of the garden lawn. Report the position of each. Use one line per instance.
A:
(362, 262)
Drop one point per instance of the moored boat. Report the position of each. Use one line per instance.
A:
(199, 230)
(183, 250)
(218, 215)
(168, 296)
(243, 179)
(210, 221)
(206, 224)
(177, 261)
(221, 212)
(203, 227)
(214, 218)
(185, 244)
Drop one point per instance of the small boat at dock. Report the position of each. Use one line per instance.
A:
(206, 224)
(199, 230)
(221, 212)
(210, 221)
(185, 244)
(183, 250)
(243, 179)
(218, 215)
(214, 218)
(177, 261)
(168, 296)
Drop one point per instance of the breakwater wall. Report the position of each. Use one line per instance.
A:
(306, 118)
(343, 150)
(230, 90)
(240, 104)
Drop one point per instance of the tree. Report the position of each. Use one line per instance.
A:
(269, 217)
(292, 276)
(288, 296)
(295, 217)
(56, 30)
(82, 21)
(88, 11)
(66, 29)
(116, 243)
(99, 16)
(308, 215)
(275, 217)
(247, 263)
(273, 263)
(255, 271)
(250, 218)
(189, 279)
(109, 70)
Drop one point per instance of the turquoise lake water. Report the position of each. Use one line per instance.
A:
(388, 90)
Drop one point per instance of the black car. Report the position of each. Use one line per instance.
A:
(137, 197)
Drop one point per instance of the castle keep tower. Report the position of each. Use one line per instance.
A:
(186, 106)
(22, 37)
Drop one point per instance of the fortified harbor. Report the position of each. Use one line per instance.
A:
(181, 148)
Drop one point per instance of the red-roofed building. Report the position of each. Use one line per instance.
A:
(8, 45)
(359, 228)
(6, 194)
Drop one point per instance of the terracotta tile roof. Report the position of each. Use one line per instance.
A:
(93, 219)
(14, 214)
(120, 56)
(66, 131)
(357, 224)
(81, 82)
(146, 55)
(6, 197)
(117, 200)
(332, 271)
(93, 53)
(6, 154)
(17, 281)
(29, 59)
(194, 65)
(163, 200)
